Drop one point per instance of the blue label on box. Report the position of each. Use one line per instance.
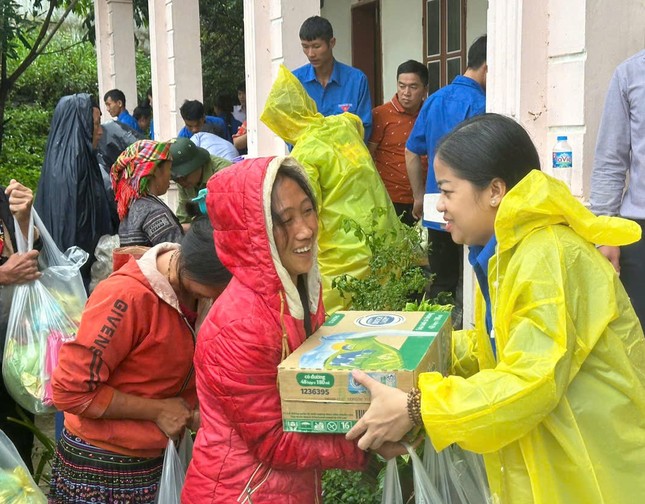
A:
(380, 320)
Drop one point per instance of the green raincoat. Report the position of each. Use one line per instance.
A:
(341, 172)
(560, 413)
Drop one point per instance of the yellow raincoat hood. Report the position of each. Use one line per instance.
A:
(559, 414)
(551, 203)
(342, 174)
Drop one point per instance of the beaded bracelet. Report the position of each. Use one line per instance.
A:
(414, 406)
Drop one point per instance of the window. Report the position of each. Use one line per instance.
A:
(445, 40)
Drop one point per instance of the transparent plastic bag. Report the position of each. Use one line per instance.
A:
(44, 314)
(424, 490)
(175, 464)
(185, 449)
(392, 484)
(458, 475)
(102, 267)
(16, 484)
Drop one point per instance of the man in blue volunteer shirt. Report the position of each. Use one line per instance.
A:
(115, 104)
(334, 86)
(465, 97)
(196, 120)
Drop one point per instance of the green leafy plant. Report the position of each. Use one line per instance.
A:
(349, 487)
(443, 302)
(394, 272)
(49, 446)
(394, 282)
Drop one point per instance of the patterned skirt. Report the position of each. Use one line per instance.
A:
(82, 473)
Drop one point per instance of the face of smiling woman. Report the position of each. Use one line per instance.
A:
(296, 233)
(469, 211)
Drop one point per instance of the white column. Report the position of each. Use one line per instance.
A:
(625, 20)
(270, 39)
(176, 61)
(114, 27)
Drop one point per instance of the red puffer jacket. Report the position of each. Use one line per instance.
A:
(241, 453)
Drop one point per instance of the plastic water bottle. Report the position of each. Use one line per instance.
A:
(562, 161)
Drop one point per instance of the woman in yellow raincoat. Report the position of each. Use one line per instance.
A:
(550, 384)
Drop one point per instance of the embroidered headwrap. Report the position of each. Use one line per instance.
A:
(131, 171)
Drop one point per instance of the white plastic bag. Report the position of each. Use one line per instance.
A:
(44, 314)
(458, 475)
(102, 267)
(16, 484)
(175, 464)
(424, 490)
(185, 449)
(392, 484)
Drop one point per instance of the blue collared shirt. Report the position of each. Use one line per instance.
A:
(217, 121)
(125, 118)
(441, 112)
(478, 257)
(346, 91)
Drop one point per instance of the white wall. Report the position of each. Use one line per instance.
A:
(603, 54)
(579, 65)
(401, 38)
(338, 12)
(476, 11)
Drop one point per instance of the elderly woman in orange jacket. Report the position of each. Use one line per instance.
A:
(126, 383)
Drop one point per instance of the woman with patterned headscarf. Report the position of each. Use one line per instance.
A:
(139, 176)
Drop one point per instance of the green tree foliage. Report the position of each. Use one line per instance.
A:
(67, 67)
(144, 77)
(25, 139)
(31, 27)
(222, 40)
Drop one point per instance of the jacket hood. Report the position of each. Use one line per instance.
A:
(239, 206)
(155, 280)
(539, 200)
(289, 111)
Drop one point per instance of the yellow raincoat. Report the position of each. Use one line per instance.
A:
(560, 414)
(341, 172)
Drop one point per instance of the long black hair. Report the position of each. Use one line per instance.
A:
(198, 259)
(489, 146)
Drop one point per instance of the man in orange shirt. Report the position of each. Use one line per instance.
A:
(392, 123)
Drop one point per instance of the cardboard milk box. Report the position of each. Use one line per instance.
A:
(317, 391)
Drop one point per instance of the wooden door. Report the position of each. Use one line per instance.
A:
(366, 46)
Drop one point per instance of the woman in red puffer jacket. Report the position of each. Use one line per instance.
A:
(265, 220)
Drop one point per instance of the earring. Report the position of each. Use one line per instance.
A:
(493, 202)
